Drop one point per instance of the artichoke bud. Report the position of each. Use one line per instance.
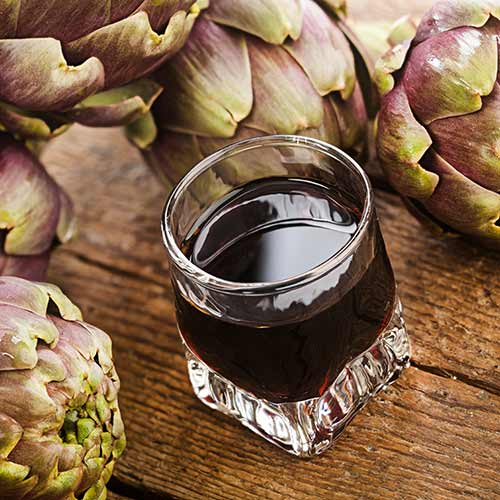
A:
(60, 425)
(439, 122)
(256, 68)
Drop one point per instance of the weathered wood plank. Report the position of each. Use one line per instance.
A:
(451, 293)
(120, 490)
(450, 289)
(115, 496)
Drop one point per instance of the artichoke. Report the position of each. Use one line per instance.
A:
(439, 124)
(56, 56)
(61, 62)
(35, 212)
(60, 426)
(256, 68)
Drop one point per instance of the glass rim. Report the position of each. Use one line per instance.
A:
(210, 281)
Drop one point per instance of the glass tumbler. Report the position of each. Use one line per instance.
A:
(296, 358)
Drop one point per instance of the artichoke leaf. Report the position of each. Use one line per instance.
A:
(351, 118)
(160, 11)
(119, 9)
(129, 48)
(102, 347)
(270, 20)
(34, 297)
(120, 445)
(143, 131)
(322, 41)
(59, 19)
(66, 225)
(285, 100)
(471, 143)
(172, 155)
(388, 64)
(68, 20)
(329, 130)
(30, 267)
(13, 482)
(450, 14)
(401, 144)
(405, 28)
(118, 427)
(447, 75)
(9, 13)
(35, 75)
(30, 200)
(212, 88)
(92, 470)
(63, 485)
(42, 458)
(96, 492)
(22, 123)
(463, 204)
(338, 7)
(19, 335)
(118, 106)
(10, 434)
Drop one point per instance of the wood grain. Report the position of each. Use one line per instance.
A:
(116, 496)
(428, 437)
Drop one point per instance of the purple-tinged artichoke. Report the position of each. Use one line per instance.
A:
(60, 426)
(439, 124)
(251, 68)
(56, 55)
(34, 212)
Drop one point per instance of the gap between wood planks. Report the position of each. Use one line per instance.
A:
(127, 491)
(441, 372)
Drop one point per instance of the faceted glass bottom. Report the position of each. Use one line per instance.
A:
(308, 428)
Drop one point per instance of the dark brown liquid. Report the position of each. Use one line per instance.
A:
(268, 231)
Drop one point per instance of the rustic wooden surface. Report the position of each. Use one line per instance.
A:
(115, 496)
(433, 435)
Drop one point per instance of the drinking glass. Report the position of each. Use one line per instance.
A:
(294, 360)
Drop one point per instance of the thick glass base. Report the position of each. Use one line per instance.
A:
(308, 428)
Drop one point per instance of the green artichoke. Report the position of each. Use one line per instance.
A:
(439, 124)
(255, 68)
(56, 56)
(60, 426)
(35, 212)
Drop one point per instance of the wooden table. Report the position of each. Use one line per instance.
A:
(433, 435)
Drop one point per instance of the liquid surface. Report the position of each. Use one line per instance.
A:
(271, 230)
